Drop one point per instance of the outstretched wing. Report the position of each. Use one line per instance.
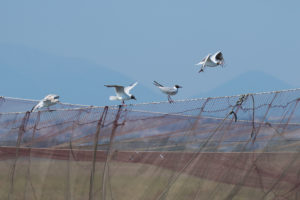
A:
(128, 88)
(204, 60)
(119, 89)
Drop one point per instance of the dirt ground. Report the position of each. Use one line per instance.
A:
(62, 174)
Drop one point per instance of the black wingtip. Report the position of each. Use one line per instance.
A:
(32, 109)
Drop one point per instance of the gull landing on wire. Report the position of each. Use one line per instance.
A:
(122, 92)
(48, 101)
(170, 91)
(211, 61)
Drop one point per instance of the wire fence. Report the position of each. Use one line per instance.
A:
(237, 147)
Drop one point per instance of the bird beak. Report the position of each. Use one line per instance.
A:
(180, 86)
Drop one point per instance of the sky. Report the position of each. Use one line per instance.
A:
(159, 39)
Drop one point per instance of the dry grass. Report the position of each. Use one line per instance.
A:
(47, 179)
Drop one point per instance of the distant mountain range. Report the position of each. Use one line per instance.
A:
(30, 73)
(249, 82)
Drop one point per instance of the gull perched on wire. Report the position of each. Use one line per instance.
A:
(170, 91)
(122, 92)
(48, 101)
(211, 61)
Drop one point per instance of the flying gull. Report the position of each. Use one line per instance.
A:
(211, 61)
(122, 92)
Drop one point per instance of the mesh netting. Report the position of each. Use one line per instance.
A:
(239, 147)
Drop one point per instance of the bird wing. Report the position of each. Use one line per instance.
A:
(37, 106)
(199, 63)
(204, 60)
(157, 84)
(168, 90)
(128, 88)
(119, 89)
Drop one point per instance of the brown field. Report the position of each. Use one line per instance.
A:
(64, 174)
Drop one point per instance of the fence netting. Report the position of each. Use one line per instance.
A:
(238, 147)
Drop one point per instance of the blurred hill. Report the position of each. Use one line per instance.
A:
(249, 82)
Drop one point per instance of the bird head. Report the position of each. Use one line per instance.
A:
(52, 97)
(219, 57)
(56, 98)
(178, 86)
(133, 97)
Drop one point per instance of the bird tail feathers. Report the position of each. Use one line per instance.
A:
(157, 84)
(113, 98)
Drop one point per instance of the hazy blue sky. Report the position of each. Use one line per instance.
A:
(162, 40)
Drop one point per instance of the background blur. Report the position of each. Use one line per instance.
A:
(72, 48)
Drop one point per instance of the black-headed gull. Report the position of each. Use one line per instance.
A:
(122, 92)
(211, 61)
(48, 101)
(170, 91)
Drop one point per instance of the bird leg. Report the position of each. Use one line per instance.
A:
(123, 102)
(202, 69)
(170, 99)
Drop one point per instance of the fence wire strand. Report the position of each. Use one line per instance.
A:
(234, 147)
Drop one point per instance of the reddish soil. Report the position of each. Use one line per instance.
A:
(263, 170)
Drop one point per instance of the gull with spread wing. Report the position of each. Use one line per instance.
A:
(122, 93)
(48, 101)
(211, 61)
(170, 91)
